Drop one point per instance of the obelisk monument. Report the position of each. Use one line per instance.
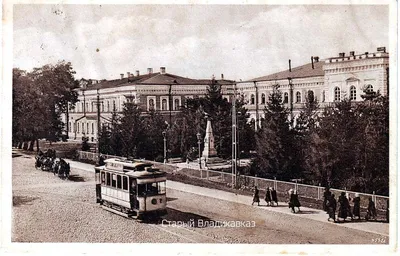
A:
(209, 149)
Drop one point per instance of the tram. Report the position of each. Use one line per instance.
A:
(131, 189)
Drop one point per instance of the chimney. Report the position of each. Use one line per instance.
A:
(122, 76)
(341, 54)
(128, 74)
(312, 62)
(222, 76)
(137, 73)
(290, 66)
(316, 59)
(381, 49)
(162, 70)
(150, 70)
(352, 53)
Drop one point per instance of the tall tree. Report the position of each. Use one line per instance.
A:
(154, 125)
(274, 140)
(132, 130)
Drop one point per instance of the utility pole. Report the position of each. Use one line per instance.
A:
(234, 139)
(98, 124)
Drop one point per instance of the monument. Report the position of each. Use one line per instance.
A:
(209, 154)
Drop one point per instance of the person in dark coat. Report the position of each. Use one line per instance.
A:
(291, 200)
(274, 196)
(256, 197)
(327, 197)
(343, 206)
(296, 200)
(268, 196)
(331, 205)
(356, 207)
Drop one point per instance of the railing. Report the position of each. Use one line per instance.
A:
(248, 183)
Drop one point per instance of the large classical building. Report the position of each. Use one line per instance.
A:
(160, 91)
(327, 80)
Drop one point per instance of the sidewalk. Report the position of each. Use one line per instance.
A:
(308, 213)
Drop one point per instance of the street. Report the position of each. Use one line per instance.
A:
(48, 209)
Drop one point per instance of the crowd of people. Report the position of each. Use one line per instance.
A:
(330, 204)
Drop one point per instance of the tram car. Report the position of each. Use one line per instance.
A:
(131, 189)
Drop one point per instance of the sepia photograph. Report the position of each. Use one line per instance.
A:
(199, 127)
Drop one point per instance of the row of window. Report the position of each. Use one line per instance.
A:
(114, 180)
(81, 127)
(92, 107)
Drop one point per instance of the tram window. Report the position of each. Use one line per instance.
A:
(114, 181)
(119, 185)
(124, 183)
(162, 187)
(103, 178)
(108, 179)
(141, 189)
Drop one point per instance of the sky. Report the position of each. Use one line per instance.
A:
(195, 41)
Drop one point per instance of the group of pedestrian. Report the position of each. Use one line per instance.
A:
(330, 206)
(270, 196)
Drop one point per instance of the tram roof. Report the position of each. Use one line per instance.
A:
(133, 164)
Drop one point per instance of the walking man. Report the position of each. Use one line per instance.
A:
(356, 207)
(327, 197)
(344, 206)
(331, 205)
(274, 196)
(268, 196)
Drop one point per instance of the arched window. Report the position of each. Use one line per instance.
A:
(87, 128)
(77, 126)
(164, 104)
(69, 127)
(92, 128)
(176, 104)
(102, 107)
(83, 128)
(353, 94)
(151, 104)
(92, 106)
(262, 98)
(114, 106)
(285, 97)
(337, 94)
(369, 88)
(323, 96)
(252, 100)
(83, 106)
(298, 97)
(108, 106)
(310, 96)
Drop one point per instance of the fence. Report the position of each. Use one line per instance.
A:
(248, 183)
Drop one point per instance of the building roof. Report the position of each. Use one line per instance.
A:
(153, 79)
(297, 72)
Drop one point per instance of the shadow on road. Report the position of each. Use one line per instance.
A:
(171, 199)
(22, 200)
(15, 155)
(76, 178)
(179, 218)
(307, 212)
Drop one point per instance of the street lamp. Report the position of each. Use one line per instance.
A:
(199, 143)
(165, 146)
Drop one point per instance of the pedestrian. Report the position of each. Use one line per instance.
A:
(274, 196)
(256, 197)
(371, 211)
(268, 196)
(291, 200)
(343, 206)
(327, 197)
(296, 200)
(356, 207)
(349, 212)
(331, 205)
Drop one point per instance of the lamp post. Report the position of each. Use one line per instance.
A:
(165, 146)
(234, 139)
(199, 143)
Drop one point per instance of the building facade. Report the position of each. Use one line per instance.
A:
(161, 91)
(329, 80)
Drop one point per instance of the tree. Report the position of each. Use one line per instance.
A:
(154, 125)
(274, 140)
(39, 98)
(131, 130)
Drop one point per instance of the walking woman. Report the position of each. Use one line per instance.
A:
(256, 197)
(356, 208)
(296, 200)
(291, 200)
(268, 196)
(274, 196)
(343, 207)
(331, 206)
(327, 197)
